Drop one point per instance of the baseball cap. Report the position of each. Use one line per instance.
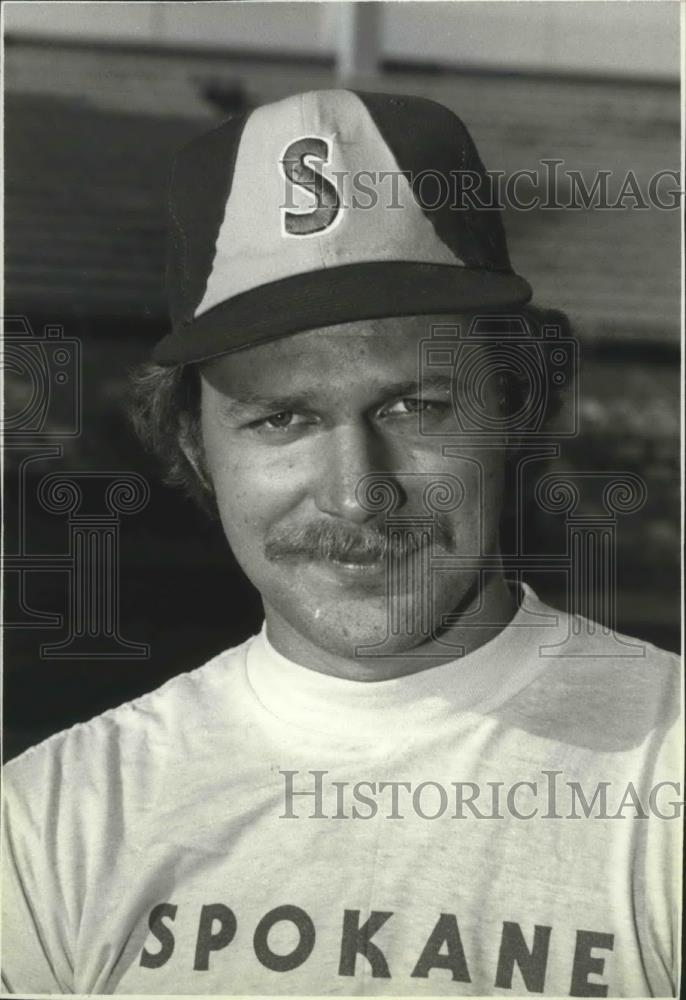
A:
(324, 208)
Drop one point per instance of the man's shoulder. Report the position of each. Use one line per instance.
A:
(147, 724)
(599, 687)
(568, 636)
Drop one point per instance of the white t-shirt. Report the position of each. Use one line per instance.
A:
(162, 848)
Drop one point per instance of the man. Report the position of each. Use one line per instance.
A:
(417, 779)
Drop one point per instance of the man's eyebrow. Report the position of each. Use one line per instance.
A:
(436, 383)
(249, 401)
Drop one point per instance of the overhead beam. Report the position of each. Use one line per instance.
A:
(358, 39)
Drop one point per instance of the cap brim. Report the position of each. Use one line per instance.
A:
(338, 295)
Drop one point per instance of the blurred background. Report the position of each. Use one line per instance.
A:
(98, 97)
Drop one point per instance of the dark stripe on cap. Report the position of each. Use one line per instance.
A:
(200, 187)
(425, 136)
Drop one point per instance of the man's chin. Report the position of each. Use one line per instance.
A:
(363, 642)
(353, 627)
(349, 611)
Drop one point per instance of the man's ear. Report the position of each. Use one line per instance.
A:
(190, 442)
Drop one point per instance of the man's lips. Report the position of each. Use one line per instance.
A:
(350, 569)
(361, 566)
(358, 558)
(365, 574)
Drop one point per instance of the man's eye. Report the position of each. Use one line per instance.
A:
(280, 420)
(411, 405)
(284, 420)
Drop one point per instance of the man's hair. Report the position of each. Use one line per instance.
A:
(164, 407)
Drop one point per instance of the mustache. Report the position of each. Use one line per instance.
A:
(341, 542)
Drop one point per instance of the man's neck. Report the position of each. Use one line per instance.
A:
(488, 608)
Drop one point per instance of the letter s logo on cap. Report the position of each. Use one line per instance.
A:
(299, 172)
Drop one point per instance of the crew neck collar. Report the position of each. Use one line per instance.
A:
(475, 683)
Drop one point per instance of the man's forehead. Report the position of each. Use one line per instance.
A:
(380, 351)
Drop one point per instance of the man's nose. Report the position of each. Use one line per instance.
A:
(350, 453)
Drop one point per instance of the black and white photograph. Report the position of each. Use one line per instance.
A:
(342, 433)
